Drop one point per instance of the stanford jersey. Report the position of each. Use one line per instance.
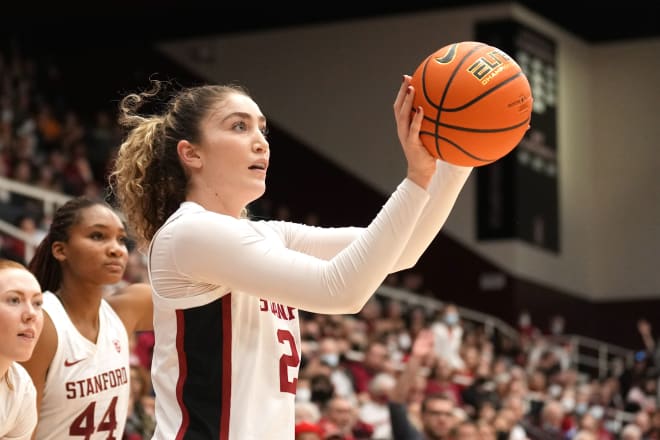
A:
(18, 409)
(226, 298)
(86, 391)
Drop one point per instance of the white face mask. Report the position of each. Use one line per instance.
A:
(303, 394)
(597, 412)
(581, 408)
(554, 390)
(569, 404)
(330, 359)
(451, 319)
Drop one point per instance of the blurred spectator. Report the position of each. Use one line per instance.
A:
(49, 127)
(375, 411)
(650, 344)
(584, 434)
(440, 380)
(331, 356)
(592, 421)
(465, 430)
(550, 423)
(556, 326)
(437, 410)
(631, 432)
(308, 431)
(486, 430)
(654, 432)
(141, 422)
(306, 411)
(448, 336)
(634, 376)
(643, 420)
(322, 390)
(375, 361)
(343, 414)
(518, 412)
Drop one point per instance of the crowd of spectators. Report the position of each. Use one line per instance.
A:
(391, 368)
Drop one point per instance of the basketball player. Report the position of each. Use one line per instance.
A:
(80, 366)
(227, 289)
(21, 321)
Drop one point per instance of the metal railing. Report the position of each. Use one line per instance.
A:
(51, 200)
(598, 358)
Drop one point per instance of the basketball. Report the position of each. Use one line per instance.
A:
(477, 103)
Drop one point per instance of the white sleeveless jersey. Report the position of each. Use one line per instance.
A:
(87, 386)
(18, 407)
(226, 298)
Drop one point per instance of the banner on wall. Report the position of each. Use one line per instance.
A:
(517, 196)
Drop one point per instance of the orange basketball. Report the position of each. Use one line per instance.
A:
(477, 103)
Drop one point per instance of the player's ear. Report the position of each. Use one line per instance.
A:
(58, 249)
(188, 154)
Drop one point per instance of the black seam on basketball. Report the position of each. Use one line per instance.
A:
(483, 95)
(444, 92)
(427, 99)
(478, 130)
(455, 145)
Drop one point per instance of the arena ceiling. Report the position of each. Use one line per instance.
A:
(123, 21)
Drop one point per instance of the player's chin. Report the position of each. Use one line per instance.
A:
(257, 190)
(111, 276)
(24, 353)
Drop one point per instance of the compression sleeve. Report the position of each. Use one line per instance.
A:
(444, 189)
(224, 251)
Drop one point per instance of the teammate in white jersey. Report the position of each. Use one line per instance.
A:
(80, 366)
(227, 289)
(21, 321)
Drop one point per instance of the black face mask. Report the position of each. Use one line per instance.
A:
(321, 394)
(502, 435)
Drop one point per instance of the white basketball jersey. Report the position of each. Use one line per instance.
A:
(18, 407)
(234, 361)
(87, 386)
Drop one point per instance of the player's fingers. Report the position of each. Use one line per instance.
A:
(400, 97)
(416, 122)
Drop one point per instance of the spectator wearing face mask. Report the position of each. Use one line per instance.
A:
(448, 335)
(330, 355)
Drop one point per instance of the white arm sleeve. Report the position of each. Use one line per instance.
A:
(222, 251)
(444, 189)
(318, 241)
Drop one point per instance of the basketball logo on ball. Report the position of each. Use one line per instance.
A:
(477, 103)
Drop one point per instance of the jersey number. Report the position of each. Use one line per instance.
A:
(288, 360)
(83, 425)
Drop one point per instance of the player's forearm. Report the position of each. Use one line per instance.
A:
(444, 190)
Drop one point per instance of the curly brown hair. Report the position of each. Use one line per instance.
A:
(147, 178)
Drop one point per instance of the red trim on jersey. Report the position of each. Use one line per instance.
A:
(226, 366)
(183, 373)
